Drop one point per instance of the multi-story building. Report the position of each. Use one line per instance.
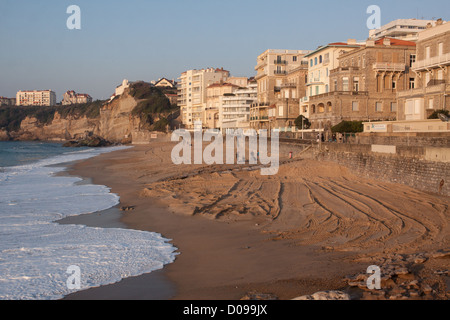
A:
(192, 93)
(71, 97)
(234, 109)
(7, 101)
(320, 62)
(36, 98)
(429, 87)
(404, 29)
(214, 93)
(272, 68)
(364, 85)
(283, 113)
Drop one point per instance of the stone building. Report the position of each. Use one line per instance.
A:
(71, 97)
(365, 84)
(286, 109)
(272, 68)
(430, 84)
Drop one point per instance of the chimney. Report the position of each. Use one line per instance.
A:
(439, 22)
(386, 41)
(429, 25)
(351, 41)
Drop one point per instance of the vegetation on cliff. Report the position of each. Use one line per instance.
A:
(11, 117)
(153, 106)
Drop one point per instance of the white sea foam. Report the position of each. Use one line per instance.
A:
(35, 251)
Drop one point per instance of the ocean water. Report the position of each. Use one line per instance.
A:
(36, 252)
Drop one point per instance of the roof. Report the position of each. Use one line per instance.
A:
(224, 84)
(334, 44)
(395, 42)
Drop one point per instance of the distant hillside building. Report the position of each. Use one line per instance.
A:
(71, 97)
(36, 98)
(165, 83)
(120, 89)
(7, 101)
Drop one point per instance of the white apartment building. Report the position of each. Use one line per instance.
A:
(320, 62)
(404, 29)
(36, 98)
(234, 110)
(192, 93)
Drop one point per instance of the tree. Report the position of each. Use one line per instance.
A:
(348, 127)
(302, 122)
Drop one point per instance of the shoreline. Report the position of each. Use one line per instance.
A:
(195, 273)
(225, 258)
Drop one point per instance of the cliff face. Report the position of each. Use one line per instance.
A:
(115, 124)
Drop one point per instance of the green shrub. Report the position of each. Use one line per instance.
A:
(348, 127)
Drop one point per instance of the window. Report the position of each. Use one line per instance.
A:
(393, 106)
(317, 90)
(355, 106)
(412, 60)
(326, 88)
(427, 79)
(335, 85)
(311, 63)
(320, 59)
(345, 84)
(356, 84)
(427, 52)
(431, 104)
(280, 111)
(315, 61)
(412, 83)
(294, 58)
(394, 84)
(378, 106)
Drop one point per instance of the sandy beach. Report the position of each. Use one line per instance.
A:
(295, 233)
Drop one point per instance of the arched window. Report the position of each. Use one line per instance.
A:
(320, 59)
(311, 62)
(315, 61)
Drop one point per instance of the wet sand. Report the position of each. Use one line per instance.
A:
(294, 233)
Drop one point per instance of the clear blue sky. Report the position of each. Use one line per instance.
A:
(147, 39)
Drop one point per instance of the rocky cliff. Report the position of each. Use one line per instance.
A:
(116, 122)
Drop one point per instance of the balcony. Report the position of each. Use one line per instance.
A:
(337, 93)
(280, 72)
(441, 60)
(288, 85)
(433, 87)
(261, 64)
(278, 61)
(389, 66)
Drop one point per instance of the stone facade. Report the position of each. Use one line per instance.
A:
(431, 81)
(365, 84)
